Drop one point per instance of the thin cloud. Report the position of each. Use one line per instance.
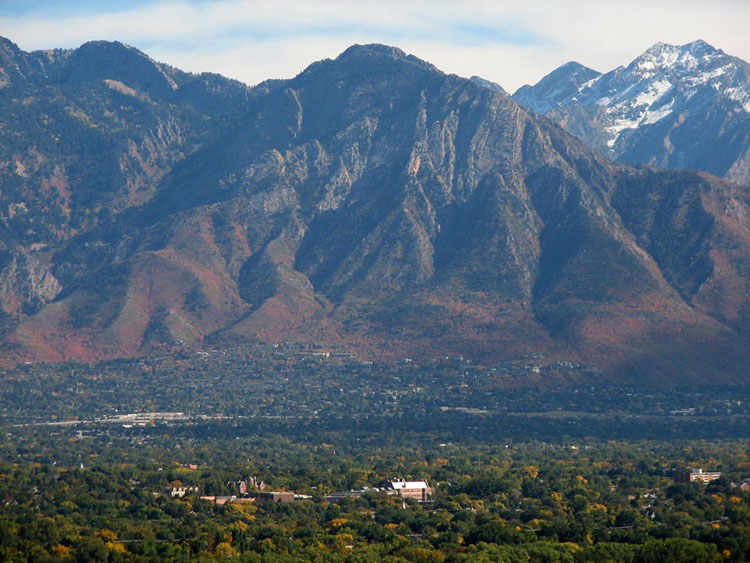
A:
(511, 43)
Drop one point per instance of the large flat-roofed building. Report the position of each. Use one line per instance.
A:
(697, 475)
(338, 496)
(274, 496)
(418, 490)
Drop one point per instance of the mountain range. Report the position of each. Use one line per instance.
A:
(680, 107)
(372, 201)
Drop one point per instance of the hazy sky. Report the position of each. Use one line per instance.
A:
(512, 43)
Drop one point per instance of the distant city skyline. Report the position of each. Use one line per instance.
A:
(511, 43)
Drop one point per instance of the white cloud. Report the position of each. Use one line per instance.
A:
(254, 40)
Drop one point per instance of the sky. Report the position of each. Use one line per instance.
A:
(509, 42)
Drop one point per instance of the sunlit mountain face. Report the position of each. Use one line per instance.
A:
(372, 202)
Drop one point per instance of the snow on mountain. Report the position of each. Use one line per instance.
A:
(663, 80)
(695, 87)
(556, 87)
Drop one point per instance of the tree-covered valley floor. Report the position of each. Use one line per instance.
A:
(530, 460)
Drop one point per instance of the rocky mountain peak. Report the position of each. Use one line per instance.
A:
(370, 49)
(663, 58)
(555, 87)
(373, 53)
(699, 47)
(7, 46)
(360, 64)
(112, 60)
(671, 106)
(488, 84)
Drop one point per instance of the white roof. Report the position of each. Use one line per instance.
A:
(409, 484)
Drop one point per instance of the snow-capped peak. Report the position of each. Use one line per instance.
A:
(665, 80)
(673, 105)
(663, 57)
(557, 86)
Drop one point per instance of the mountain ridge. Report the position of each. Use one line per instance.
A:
(376, 202)
(565, 80)
(679, 107)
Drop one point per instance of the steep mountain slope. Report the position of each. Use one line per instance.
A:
(680, 107)
(375, 201)
(555, 88)
(85, 134)
(488, 84)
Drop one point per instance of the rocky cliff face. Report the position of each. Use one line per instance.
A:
(680, 107)
(377, 202)
(86, 134)
(25, 283)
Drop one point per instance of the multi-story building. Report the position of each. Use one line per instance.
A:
(697, 475)
(418, 490)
